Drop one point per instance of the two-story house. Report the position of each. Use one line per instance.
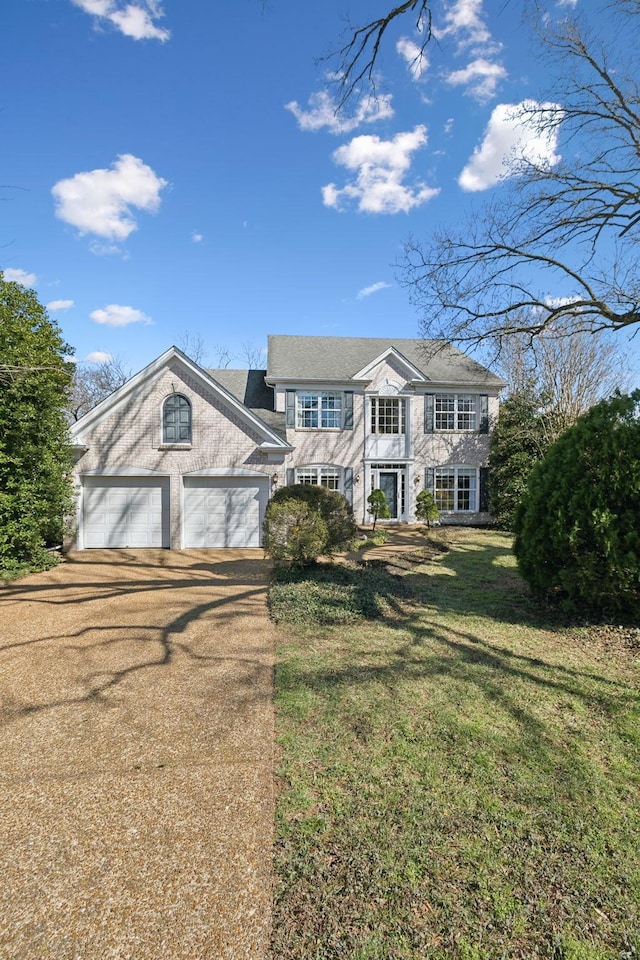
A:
(186, 457)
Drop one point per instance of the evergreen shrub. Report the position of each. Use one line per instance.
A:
(578, 529)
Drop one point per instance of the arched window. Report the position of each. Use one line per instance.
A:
(176, 419)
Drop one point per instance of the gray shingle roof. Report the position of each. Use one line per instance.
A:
(249, 387)
(340, 358)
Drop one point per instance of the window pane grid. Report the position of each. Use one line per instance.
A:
(467, 413)
(319, 410)
(455, 489)
(455, 412)
(445, 408)
(387, 415)
(319, 476)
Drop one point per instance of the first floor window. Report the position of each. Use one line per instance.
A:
(319, 476)
(319, 411)
(456, 488)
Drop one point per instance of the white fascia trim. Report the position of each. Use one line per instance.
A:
(461, 386)
(367, 371)
(123, 393)
(317, 383)
(123, 472)
(276, 448)
(226, 472)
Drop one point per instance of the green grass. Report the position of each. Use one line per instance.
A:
(459, 774)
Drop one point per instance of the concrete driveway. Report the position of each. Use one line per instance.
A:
(136, 758)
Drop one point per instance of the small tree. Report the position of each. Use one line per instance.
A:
(578, 529)
(518, 442)
(378, 506)
(426, 509)
(93, 382)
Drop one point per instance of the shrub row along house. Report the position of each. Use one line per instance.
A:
(181, 456)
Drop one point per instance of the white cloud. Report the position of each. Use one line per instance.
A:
(448, 127)
(480, 77)
(414, 57)
(374, 288)
(323, 113)
(197, 237)
(100, 201)
(464, 22)
(136, 20)
(60, 305)
(115, 315)
(15, 275)
(516, 135)
(380, 167)
(98, 356)
(554, 302)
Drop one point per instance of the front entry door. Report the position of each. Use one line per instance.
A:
(389, 486)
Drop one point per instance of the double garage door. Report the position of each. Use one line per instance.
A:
(218, 511)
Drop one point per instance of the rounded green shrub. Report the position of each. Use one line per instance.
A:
(578, 529)
(286, 526)
(293, 531)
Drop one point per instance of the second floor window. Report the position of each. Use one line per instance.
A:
(319, 411)
(456, 412)
(176, 419)
(387, 415)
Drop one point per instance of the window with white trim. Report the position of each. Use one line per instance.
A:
(456, 411)
(319, 411)
(456, 489)
(320, 476)
(176, 419)
(388, 415)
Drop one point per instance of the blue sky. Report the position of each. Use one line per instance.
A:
(178, 168)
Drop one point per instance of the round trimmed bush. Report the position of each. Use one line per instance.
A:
(578, 528)
(336, 531)
(294, 532)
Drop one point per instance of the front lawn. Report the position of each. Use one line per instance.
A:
(459, 774)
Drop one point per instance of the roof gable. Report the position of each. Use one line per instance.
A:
(129, 389)
(410, 371)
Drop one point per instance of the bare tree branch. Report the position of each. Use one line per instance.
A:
(357, 58)
(194, 346)
(93, 382)
(559, 246)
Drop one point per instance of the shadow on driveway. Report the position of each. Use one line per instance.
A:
(136, 756)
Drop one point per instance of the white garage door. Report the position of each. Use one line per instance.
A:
(224, 511)
(126, 512)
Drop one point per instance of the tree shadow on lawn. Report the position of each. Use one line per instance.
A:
(505, 772)
(452, 622)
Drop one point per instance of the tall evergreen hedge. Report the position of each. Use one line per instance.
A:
(578, 528)
(35, 456)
